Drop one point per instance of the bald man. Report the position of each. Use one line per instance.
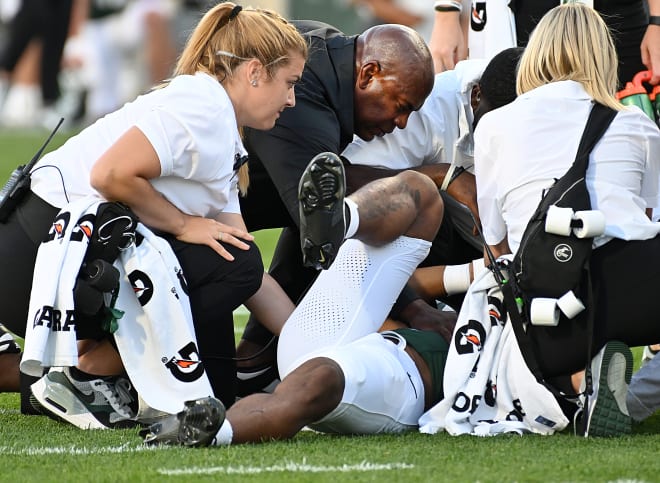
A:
(365, 85)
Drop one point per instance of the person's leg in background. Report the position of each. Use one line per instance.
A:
(56, 23)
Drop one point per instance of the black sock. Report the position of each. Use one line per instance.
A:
(79, 375)
(26, 405)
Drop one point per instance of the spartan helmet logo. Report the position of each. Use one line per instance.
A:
(187, 367)
(563, 253)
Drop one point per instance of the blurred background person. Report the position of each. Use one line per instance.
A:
(30, 58)
(412, 13)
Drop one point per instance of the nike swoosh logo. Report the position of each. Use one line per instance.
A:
(321, 257)
(244, 376)
(85, 397)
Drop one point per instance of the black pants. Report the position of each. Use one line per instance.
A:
(626, 282)
(627, 24)
(48, 21)
(20, 238)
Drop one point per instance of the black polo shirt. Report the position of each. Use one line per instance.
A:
(322, 120)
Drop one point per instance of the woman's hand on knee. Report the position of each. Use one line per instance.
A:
(214, 234)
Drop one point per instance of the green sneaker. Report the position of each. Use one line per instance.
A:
(607, 414)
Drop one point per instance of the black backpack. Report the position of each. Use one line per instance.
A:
(549, 265)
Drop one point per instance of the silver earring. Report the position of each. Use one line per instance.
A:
(254, 82)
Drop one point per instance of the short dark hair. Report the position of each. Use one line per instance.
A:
(498, 82)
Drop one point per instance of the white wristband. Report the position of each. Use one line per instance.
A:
(456, 278)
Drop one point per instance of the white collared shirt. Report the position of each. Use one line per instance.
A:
(522, 147)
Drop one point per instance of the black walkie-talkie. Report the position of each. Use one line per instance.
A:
(18, 183)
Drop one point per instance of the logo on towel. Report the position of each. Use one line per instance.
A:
(478, 16)
(59, 226)
(142, 286)
(495, 311)
(469, 338)
(54, 319)
(185, 366)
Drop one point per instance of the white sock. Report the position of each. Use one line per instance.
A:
(224, 435)
(354, 214)
(456, 278)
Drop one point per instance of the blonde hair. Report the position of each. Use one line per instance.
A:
(571, 42)
(222, 40)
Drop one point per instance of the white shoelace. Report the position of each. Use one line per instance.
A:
(117, 394)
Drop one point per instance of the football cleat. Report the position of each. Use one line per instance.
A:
(195, 426)
(321, 194)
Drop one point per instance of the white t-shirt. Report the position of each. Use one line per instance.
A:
(440, 132)
(192, 127)
(522, 147)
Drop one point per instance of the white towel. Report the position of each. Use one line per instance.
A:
(155, 335)
(487, 386)
(50, 340)
(156, 338)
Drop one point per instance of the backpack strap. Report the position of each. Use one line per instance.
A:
(598, 122)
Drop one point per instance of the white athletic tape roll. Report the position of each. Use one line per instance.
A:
(558, 220)
(593, 223)
(570, 305)
(544, 311)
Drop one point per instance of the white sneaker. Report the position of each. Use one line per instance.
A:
(22, 106)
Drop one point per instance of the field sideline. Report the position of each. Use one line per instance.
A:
(36, 448)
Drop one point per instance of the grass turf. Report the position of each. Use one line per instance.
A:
(36, 448)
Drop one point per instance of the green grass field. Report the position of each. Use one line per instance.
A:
(36, 448)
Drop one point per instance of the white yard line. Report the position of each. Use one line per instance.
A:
(287, 467)
(75, 450)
